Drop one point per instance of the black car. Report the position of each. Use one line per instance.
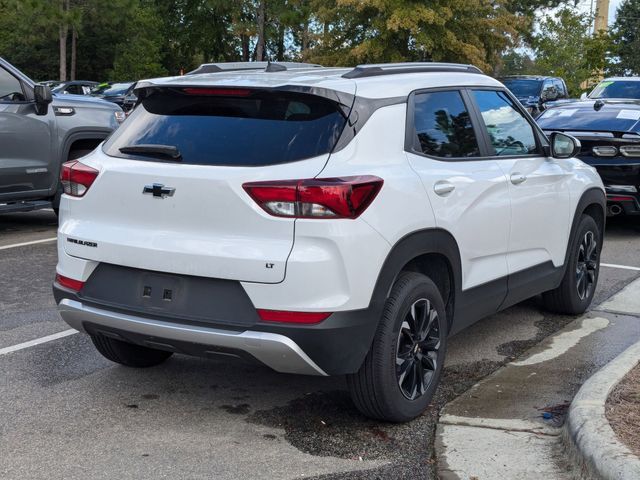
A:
(119, 93)
(75, 87)
(609, 130)
(536, 93)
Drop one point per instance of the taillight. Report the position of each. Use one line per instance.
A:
(77, 177)
(345, 197)
(283, 316)
(70, 283)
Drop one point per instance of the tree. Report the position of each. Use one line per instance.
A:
(564, 47)
(138, 54)
(470, 31)
(626, 34)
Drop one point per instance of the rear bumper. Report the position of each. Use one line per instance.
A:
(336, 346)
(622, 203)
(274, 350)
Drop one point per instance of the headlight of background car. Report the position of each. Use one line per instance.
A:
(120, 116)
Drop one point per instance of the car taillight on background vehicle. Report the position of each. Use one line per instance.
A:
(77, 177)
(345, 197)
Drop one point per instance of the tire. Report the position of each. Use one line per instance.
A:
(127, 353)
(572, 298)
(377, 389)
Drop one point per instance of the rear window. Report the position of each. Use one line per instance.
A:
(523, 88)
(246, 128)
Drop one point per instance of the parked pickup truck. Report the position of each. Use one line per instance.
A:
(38, 132)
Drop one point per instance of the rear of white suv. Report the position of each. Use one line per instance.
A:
(286, 217)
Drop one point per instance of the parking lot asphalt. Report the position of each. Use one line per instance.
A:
(65, 412)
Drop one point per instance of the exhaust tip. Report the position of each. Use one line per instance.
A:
(615, 210)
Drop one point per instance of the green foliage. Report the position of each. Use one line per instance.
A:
(138, 53)
(563, 46)
(132, 39)
(357, 31)
(626, 34)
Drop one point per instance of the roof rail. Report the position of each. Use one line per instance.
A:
(374, 70)
(239, 66)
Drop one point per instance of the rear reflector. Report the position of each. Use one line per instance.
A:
(345, 197)
(292, 317)
(619, 198)
(70, 283)
(76, 178)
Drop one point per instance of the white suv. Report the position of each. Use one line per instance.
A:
(324, 221)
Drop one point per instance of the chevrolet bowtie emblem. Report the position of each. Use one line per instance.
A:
(158, 190)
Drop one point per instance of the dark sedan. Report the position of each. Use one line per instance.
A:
(119, 93)
(609, 130)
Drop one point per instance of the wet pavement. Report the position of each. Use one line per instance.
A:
(67, 412)
(519, 410)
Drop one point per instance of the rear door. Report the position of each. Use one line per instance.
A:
(468, 192)
(25, 142)
(204, 223)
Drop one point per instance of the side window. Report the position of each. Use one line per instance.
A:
(443, 126)
(509, 132)
(560, 88)
(10, 88)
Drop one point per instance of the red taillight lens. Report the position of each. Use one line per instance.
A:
(292, 317)
(620, 198)
(77, 177)
(345, 197)
(70, 283)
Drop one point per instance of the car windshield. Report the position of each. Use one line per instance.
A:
(617, 89)
(115, 89)
(522, 87)
(244, 128)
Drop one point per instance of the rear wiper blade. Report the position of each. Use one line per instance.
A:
(168, 151)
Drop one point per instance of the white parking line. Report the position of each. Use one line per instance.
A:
(37, 341)
(24, 244)
(623, 267)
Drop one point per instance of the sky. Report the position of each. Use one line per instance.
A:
(613, 6)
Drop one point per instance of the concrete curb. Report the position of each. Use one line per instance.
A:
(588, 435)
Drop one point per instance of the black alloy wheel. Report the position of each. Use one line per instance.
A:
(417, 351)
(587, 265)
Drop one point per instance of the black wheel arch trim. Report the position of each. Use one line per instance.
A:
(592, 196)
(408, 248)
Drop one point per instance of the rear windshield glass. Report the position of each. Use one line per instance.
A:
(616, 89)
(250, 128)
(523, 88)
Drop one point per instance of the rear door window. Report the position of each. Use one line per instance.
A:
(442, 126)
(235, 127)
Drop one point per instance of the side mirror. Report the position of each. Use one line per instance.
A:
(43, 97)
(564, 146)
(549, 95)
(584, 96)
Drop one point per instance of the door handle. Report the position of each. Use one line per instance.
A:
(443, 188)
(518, 178)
